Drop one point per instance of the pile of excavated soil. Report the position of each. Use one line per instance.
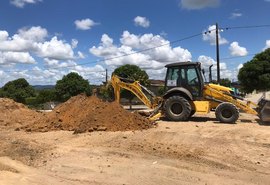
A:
(15, 114)
(82, 114)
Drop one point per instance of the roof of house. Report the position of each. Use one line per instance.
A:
(156, 82)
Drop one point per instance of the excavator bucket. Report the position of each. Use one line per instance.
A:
(264, 110)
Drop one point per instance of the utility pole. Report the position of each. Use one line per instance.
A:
(217, 47)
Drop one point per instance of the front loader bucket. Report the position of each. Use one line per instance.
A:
(264, 110)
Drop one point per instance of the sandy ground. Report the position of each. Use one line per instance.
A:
(201, 151)
(256, 97)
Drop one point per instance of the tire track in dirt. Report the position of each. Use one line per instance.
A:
(236, 142)
(25, 150)
(165, 147)
(246, 144)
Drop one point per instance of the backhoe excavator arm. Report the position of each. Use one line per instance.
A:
(137, 89)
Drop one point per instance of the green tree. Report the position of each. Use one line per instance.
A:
(131, 72)
(225, 82)
(161, 91)
(70, 85)
(255, 74)
(46, 95)
(18, 90)
(1, 93)
(106, 92)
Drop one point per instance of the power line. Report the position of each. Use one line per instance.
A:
(244, 27)
(229, 58)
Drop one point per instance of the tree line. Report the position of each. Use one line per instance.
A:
(21, 91)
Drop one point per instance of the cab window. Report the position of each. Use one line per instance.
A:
(173, 76)
(192, 77)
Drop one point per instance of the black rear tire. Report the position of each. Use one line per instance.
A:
(192, 113)
(177, 108)
(227, 113)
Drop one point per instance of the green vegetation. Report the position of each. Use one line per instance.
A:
(70, 85)
(106, 92)
(131, 72)
(46, 95)
(223, 81)
(161, 91)
(255, 74)
(18, 90)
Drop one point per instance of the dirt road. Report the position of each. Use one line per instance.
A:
(200, 151)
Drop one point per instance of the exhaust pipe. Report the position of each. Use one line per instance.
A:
(210, 73)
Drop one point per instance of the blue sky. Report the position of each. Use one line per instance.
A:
(42, 40)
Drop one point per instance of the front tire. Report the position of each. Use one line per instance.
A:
(227, 113)
(177, 108)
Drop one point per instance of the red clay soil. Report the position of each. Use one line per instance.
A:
(13, 114)
(82, 114)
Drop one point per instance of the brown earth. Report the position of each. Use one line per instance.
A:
(15, 114)
(82, 113)
(200, 151)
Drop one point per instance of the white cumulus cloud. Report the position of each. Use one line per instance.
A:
(141, 21)
(105, 49)
(57, 64)
(210, 36)
(267, 44)
(35, 33)
(94, 74)
(14, 43)
(85, 24)
(199, 4)
(16, 57)
(81, 55)
(239, 66)
(206, 61)
(32, 40)
(32, 46)
(3, 35)
(74, 43)
(22, 3)
(128, 52)
(54, 70)
(235, 15)
(237, 50)
(55, 49)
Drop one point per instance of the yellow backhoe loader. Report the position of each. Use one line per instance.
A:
(187, 94)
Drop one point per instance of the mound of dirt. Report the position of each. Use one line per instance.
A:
(15, 114)
(82, 114)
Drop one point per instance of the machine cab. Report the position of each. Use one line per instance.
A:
(187, 75)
